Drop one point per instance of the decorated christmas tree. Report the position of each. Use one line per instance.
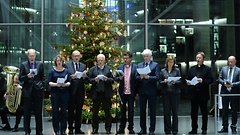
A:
(94, 30)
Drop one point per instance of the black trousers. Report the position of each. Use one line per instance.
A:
(127, 99)
(234, 107)
(195, 105)
(75, 103)
(4, 111)
(35, 103)
(151, 99)
(106, 104)
(170, 109)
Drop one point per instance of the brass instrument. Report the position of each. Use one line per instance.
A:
(13, 96)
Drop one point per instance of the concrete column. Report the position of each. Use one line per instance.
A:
(201, 37)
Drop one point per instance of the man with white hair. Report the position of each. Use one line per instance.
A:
(101, 78)
(32, 76)
(147, 91)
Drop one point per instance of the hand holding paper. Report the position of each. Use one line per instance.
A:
(101, 77)
(194, 81)
(120, 72)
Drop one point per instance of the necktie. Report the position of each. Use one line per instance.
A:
(31, 65)
(77, 69)
(230, 74)
(146, 64)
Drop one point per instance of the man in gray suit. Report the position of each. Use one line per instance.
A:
(229, 77)
(77, 92)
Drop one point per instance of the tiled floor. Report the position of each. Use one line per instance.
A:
(184, 126)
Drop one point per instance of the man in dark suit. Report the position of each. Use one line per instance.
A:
(127, 91)
(77, 92)
(147, 91)
(101, 78)
(199, 92)
(32, 76)
(229, 78)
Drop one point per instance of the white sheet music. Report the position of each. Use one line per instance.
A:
(62, 80)
(120, 72)
(101, 77)
(144, 70)
(80, 74)
(194, 81)
(33, 71)
(173, 79)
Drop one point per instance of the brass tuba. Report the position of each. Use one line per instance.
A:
(13, 96)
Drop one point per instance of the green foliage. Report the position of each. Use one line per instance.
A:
(93, 30)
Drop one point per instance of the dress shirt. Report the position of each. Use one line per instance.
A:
(127, 74)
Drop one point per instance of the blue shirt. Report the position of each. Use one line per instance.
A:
(54, 75)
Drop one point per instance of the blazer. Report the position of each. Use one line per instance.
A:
(175, 87)
(132, 80)
(77, 85)
(223, 75)
(94, 72)
(200, 90)
(148, 86)
(37, 82)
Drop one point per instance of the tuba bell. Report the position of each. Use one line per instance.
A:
(13, 96)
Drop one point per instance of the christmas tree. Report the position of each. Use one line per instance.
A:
(94, 30)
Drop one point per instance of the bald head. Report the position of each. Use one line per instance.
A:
(232, 61)
(76, 56)
(31, 54)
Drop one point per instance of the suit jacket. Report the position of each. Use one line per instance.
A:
(77, 85)
(37, 82)
(200, 90)
(94, 72)
(223, 76)
(132, 80)
(148, 86)
(175, 87)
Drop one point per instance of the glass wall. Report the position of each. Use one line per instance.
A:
(171, 27)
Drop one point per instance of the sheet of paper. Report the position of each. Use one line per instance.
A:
(173, 79)
(33, 71)
(120, 72)
(194, 81)
(62, 80)
(101, 77)
(145, 70)
(80, 74)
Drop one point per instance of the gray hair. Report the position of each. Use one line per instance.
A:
(147, 52)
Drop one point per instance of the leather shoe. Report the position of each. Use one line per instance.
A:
(223, 131)
(108, 132)
(131, 131)
(174, 132)
(95, 131)
(70, 131)
(15, 129)
(120, 131)
(204, 132)
(234, 131)
(79, 132)
(142, 132)
(151, 133)
(193, 132)
(6, 127)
